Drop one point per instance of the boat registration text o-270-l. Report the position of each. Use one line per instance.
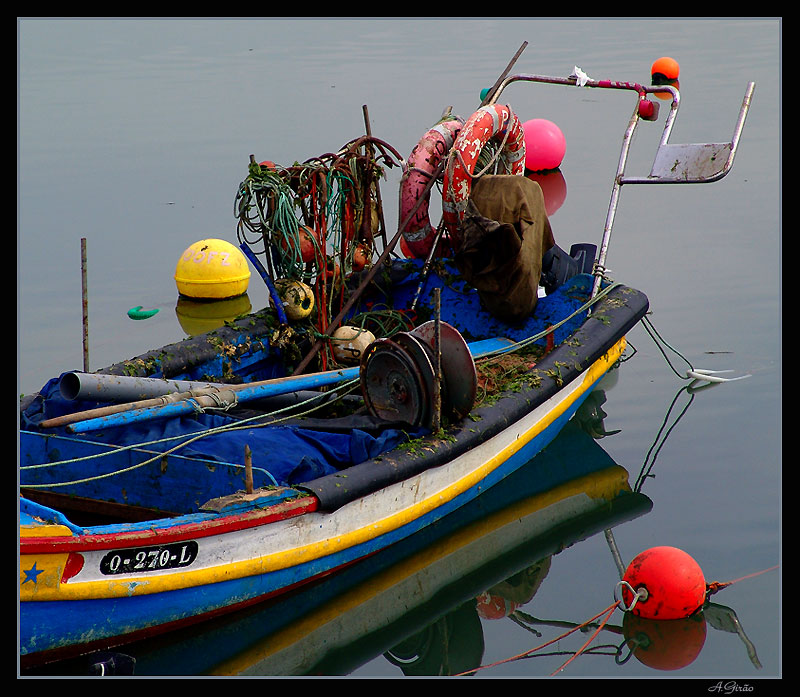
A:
(142, 559)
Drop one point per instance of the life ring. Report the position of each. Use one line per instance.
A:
(420, 166)
(492, 122)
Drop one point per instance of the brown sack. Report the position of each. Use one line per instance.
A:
(504, 234)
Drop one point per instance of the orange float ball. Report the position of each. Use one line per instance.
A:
(665, 68)
(673, 581)
(361, 257)
(308, 243)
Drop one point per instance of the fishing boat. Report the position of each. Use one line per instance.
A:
(224, 470)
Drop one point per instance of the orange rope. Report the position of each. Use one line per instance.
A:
(716, 586)
(527, 653)
(588, 641)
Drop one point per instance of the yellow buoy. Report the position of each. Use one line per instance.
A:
(297, 298)
(349, 343)
(212, 269)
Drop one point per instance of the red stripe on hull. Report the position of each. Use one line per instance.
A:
(134, 538)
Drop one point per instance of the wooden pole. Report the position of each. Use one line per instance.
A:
(248, 469)
(85, 305)
(379, 203)
(504, 74)
(437, 349)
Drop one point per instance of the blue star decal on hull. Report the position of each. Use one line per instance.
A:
(31, 574)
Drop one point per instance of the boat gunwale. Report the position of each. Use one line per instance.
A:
(216, 524)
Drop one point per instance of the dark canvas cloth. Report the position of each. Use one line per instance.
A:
(504, 234)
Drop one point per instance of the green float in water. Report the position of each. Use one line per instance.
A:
(138, 313)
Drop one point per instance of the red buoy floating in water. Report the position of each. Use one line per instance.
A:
(673, 581)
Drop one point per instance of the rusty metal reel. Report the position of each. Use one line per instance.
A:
(398, 375)
(458, 366)
(393, 385)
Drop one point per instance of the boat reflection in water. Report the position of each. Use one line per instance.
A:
(420, 602)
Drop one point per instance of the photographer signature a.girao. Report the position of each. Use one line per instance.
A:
(729, 687)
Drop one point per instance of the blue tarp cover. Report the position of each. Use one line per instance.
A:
(291, 453)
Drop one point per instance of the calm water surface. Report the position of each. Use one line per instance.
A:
(134, 134)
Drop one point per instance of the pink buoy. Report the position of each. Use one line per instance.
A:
(545, 145)
(673, 581)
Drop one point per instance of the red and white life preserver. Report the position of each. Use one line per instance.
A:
(492, 122)
(426, 156)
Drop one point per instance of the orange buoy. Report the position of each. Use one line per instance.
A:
(665, 645)
(308, 240)
(673, 583)
(361, 257)
(666, 69)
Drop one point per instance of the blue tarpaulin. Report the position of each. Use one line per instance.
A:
(290, 452)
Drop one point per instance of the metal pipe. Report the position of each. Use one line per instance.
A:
(121, 388)
(612, 206)
(612, 545)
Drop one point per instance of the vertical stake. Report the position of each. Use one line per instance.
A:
(248, 470)
(437, 350)
(85, 303)
(369, 150)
